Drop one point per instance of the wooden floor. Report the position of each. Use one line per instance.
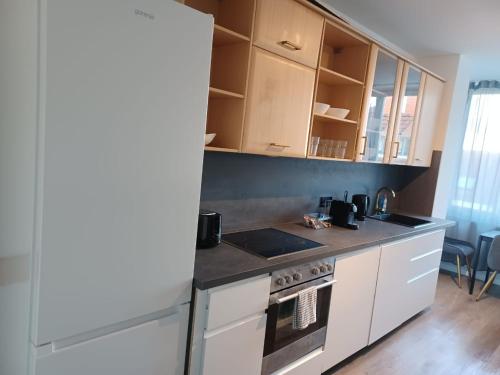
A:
(455, 336)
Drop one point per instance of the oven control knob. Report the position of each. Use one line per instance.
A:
(288, 279)
(297, 276)
(323, 268)
(280, 281)
(329, 267)
(315, 271)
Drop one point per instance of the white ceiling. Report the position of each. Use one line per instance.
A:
(434, 27)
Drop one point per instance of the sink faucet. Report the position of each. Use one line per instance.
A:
(381, 199)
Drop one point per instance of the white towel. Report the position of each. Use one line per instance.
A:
(304, 311)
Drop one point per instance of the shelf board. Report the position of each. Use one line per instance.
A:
(220, 149)
(326, 118)
(331, 77)
(223, 36)
(223, 94)
(325, 158)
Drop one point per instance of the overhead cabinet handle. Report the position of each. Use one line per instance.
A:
(397, 150)
(364, 146)
(295, 295)
(289, 45)
(278, 145)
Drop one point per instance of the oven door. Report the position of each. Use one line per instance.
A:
(283, 344)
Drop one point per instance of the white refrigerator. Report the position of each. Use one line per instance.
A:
(122, 90)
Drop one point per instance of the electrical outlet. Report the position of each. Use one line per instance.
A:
(322, 200)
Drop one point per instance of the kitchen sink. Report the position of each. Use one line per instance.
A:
(406, 221)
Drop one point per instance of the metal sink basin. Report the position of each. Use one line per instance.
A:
(406, 221)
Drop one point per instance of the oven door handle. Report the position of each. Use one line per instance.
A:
(295, 295)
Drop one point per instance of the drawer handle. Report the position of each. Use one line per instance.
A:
(364, 146)
(278, 145)
(289, 45)
(397, 150)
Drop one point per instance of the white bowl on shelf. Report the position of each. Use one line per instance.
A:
(209, 138)
(321, 108)
(337, 112)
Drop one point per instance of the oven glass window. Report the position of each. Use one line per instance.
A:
(279, 330)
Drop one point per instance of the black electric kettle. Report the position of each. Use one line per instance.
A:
(362, 203)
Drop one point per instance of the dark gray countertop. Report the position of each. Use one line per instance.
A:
(225, 264)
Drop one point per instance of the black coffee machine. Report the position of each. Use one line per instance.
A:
(362, 202)
(343, 213)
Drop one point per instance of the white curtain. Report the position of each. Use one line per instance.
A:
(475, 204)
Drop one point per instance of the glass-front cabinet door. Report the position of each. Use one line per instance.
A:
(403, 139)
(375, 141)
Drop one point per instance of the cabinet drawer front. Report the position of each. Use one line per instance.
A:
(422, 264)
(232, 303)
(307, 365)
(417, 246)
(289, 29)
(279, 106)
(422, 290)
(236, 350)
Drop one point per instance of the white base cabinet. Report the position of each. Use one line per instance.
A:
(377, 289)
(229, 328)
(236, 348)
(352, 305)
(407, 281)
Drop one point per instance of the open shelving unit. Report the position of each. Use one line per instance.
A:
(340, 82)
(231, 47)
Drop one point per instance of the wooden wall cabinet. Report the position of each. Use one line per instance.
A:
(407, 116)
(231, 48)
(289, 29)
(426, 130)
(399, 112)
(380, 106)
(273, 59)
(340, 84)
(278, 106)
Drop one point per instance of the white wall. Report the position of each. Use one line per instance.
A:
(451, 122)
(17, 171)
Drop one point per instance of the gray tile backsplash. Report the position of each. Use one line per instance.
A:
(254, 191)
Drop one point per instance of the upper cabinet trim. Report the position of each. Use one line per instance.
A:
(331, 18)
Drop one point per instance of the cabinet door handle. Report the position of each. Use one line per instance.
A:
(278, 145)
(364, 145)
(397, 150)
(289, 45)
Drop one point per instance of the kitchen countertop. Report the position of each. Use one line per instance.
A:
(226, 264)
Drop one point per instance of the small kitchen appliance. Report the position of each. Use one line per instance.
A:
(209, 229)
(362, 203)
(343, 213)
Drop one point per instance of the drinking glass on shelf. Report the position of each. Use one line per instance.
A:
(333, 146)
(314, 146)
(330, 148)
(323, 147)
(342, 149)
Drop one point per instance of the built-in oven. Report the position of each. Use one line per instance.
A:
(285, 344)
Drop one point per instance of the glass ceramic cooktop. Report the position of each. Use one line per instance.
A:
(269, 242)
